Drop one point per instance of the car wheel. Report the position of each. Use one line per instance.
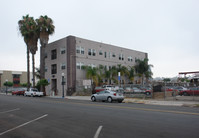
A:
(93, 98)
(120, 101)
(109, 99)
(185, 94)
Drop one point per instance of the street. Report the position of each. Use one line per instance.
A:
(41, 117)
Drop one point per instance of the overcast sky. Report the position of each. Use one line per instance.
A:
(168, 30)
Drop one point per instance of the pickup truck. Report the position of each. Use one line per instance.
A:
(33, 92)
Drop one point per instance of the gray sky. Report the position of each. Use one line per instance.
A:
(168, 30)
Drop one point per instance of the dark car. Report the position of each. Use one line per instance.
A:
(191, 91)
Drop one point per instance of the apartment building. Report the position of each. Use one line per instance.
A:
(67, 56)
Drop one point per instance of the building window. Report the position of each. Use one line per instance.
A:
(79, 65)
(92, 66)
(113, 55)
(130, 58)
(63, 66)
(100, 52)
(54, 69)
(91, 52)
(109, 55)
(46, 69)
(121, 57)
(62, 50)
(54, 54)
(80, 50)
(45, 55)
(16, 80)
(104, 54)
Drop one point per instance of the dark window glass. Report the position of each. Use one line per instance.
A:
(54, 69)
(54, 54)
(63, 51)
(89, 52)
(100, 52)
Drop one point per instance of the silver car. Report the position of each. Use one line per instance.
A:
(107, 95)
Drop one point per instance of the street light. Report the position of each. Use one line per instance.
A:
(6, 86)
(62, 85)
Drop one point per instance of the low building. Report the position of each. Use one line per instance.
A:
(67, 56)
(17, 77)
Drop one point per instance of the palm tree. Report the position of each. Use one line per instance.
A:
(33, 33)
(100, 74)
(131, 74)
(142, 68)
(24, 30)
(91, 73)
(46, 28)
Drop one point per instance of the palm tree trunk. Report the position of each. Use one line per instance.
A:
(42, 65)
(28, 68)
(33, 69)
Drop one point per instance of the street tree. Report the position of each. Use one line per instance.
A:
(24, 31)
(46, 28)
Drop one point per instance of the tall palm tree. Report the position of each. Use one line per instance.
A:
(46, 28)
(24, 30)
(100, 74)
(34, 34)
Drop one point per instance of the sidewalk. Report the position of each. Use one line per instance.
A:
(141, 101)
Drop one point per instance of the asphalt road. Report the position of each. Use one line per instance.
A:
(40, 117)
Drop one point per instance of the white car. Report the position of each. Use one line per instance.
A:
(107, 95)
(33, 92)
(107, 87)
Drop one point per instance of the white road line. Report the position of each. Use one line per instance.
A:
(10, 110)
(98, 132)
(23, 124)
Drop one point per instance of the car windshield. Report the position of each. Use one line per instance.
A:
(34, 90)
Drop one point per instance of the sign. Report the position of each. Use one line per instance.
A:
(86, 82)
(119, 76)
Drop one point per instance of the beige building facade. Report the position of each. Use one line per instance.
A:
(67, 56)
(17, 77)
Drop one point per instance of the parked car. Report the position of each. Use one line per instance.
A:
(19, 91)
(168, 89)
(128, 89)
(33, 92)
(107, 95)
(136, 90)
(107, 87)
(191, 91)
(147, 90)
(98, 89)
(180, 88)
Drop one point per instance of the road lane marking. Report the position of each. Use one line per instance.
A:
(98, 132)
(142, 109)
(10, 111)
(23, 124)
